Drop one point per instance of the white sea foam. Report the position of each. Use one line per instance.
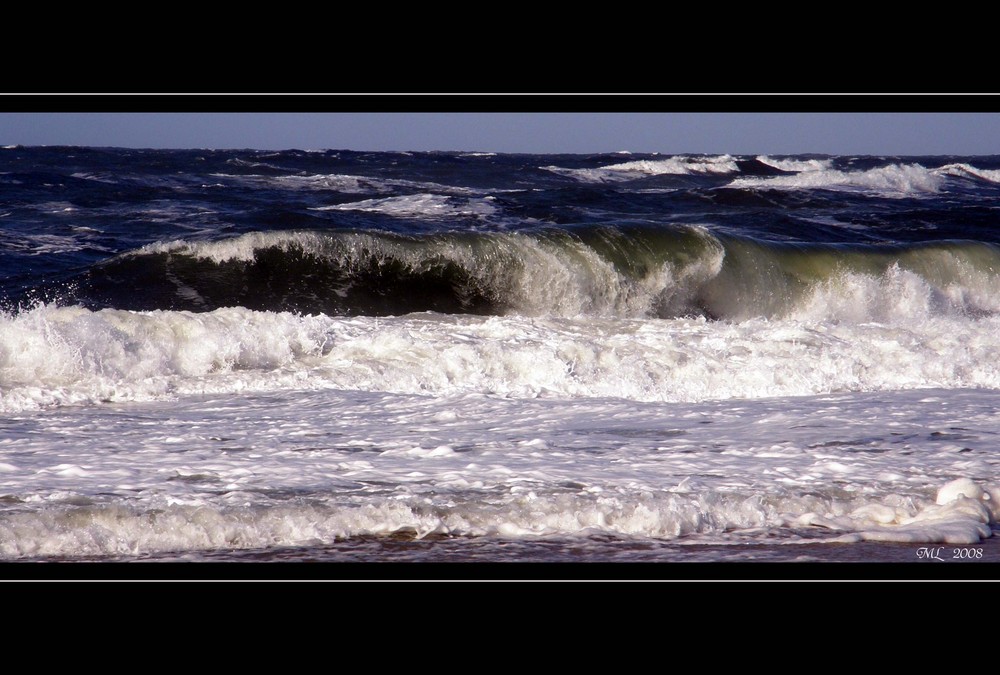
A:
(253, 472)
(962, 513)
(45, 244)
(891, 180)
(69, 355)
(52, 356)
(420, 206)
(969, 171)
(798, 165)
(345, 183)
(242, 248)
(119, 530)
(901, 295)
(338, 182)
(682, 165)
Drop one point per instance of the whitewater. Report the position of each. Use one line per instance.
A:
(363, 356)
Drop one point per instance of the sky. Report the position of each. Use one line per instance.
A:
(680, 132)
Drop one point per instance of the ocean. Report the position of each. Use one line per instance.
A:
(339, 356)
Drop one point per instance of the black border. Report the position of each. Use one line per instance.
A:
(514, 102)
(422, 576)
(588, 572)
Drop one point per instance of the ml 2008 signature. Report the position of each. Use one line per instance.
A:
(943, 553)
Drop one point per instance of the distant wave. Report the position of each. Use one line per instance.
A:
(343, 183)
(893, 180)
(681, 165)
(969, 171)
(796, 165)
(420, 206)
(890, 180)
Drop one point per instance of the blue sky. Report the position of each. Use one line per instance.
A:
(736, 133)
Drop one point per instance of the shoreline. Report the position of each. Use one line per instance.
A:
(603, 551)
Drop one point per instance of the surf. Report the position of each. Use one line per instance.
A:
(625, 271)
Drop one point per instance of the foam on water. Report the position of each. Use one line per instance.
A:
(420, 206)
(47, 244)
(55, 356)
(681, 165)
(602, 354)
(242, 248)
(891, 180)
(713, 518)
(304, 470)
(899, 295)
(797, 165)
(344, 183)
(962, 513)
(969, 171)
(69, 355)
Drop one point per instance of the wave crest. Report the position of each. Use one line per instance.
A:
(71, 355)
(680, 165)
(891, 180)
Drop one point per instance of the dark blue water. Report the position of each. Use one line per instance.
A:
(348, 233)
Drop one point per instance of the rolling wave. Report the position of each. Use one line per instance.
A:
(600, 271)
(681, 165)
(891, 180)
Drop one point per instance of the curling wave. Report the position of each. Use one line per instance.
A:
(598, 271)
